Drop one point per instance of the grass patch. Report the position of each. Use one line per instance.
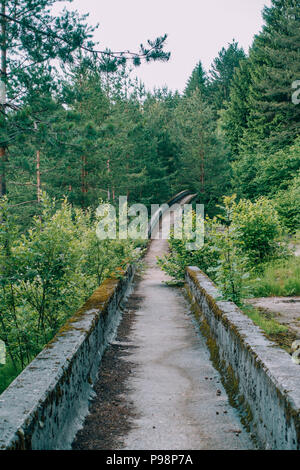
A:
(280, 278)
(274, 331)
(264, 321)
(7, 374)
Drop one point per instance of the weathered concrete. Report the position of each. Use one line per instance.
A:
(285, 310)
(262, 376)
(45, 405)
(176, 393)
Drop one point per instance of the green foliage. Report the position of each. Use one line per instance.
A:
(287, 203)
(220, 257)
(259, 228)
(175, 262)
(197, 81)
(232, 267)
(87, 129)
(268, 325)
(221, 74)
(234, 118)
(274, 119)
(265, 174)
(240, 239)
(203, 157)
(97, 139)
(279, 278)
(261, 121)
(48, 272)
(7, 374)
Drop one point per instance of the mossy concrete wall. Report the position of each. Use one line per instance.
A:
(261, 378)
(45, 405)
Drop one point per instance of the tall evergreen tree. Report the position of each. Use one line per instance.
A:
(235, 116)
(197, 81)
(204, 165)
(221, 74)
(274, 119)
(271, 121)
(31, 38)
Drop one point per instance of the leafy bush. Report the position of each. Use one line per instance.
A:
(287, 204)
(175, 262)
(236, 241)
(232, 265)
(279, 278)
(48, 272)
(259, 229)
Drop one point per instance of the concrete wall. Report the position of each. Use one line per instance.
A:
(261, 378)
(45, 405)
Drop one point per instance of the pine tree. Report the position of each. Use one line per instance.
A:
(272, 120)
(197, 81)
(221, 74)
(275, 65)
(235, 116)
(204, 165)
(31, 38)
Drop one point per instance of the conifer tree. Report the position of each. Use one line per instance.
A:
(271, 120)
(204, 165)
(221, 74)
(198, 80)
(32, 37)
(274, 118)
(235, 116)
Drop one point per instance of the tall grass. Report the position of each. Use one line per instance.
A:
(268, 325)
(280, 278)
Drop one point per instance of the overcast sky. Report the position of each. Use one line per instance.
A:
(197, 30)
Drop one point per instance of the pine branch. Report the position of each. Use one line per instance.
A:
(155, 51)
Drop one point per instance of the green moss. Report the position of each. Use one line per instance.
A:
(228, 377)
(99, 301)
(229, 380)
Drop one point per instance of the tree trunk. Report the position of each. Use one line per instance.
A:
(38, 176)
(202, 172)
(83, 181)
(3, 97)
(38, 171)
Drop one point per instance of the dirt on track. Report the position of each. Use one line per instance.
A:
(110, 413)
(157, 387)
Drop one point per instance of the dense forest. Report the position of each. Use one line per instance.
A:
(77, 127)
(90, 131)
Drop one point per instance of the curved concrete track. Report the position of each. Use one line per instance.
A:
(173, 395)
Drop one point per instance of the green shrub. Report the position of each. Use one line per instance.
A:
(8, 372)
(287, 204)
(279, 278)
(232, 266)
(175, 262)
(259, 229)
(244, 236)
(48, 272)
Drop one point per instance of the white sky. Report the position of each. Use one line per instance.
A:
(197, 30)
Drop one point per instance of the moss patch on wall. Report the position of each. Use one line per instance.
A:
(229, 379)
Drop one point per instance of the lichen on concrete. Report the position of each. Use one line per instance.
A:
(260, 378)
(45, 405)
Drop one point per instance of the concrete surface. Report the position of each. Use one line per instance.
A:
(263, 378)
(176, 392)
(46, 404)
(285, 310)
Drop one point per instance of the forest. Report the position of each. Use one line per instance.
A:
(77, 128)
